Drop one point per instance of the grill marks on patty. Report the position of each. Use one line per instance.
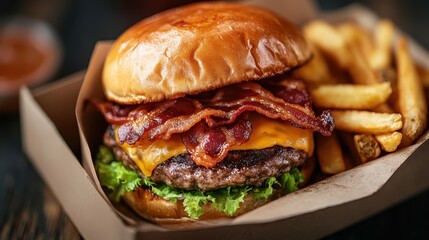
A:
(239, 168)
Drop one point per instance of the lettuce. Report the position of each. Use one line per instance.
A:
(193, 202)
(288, 182)
(114, 175)
(117, 178)
(228, 199)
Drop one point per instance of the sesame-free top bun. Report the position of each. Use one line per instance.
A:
(200, 47)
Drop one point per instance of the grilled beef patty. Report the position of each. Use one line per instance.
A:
(239, 168)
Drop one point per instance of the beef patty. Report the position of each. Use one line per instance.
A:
(239, 168)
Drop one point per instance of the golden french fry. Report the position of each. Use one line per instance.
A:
(378, 52)
(359, 68)
(307, 169)
(389, 141)
(351, 50)
(360, 36)
(367, 147)
(316, 71)
(342, 50)
(411, 97)
(329, 154)
(381, 56)
(351, 96)
(358, 58)
(328, 39)
(366, 122)
(389, 75)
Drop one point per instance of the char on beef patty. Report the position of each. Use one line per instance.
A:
(239, 168)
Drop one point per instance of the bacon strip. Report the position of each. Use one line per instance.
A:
(208, 146)
(149, 123)
(289, 104)
(205, 121)
(113, 113)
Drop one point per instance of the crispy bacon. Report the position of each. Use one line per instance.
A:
(208, 146)
(288, 101)
(168, 117)
(113, 113)
(207, 121)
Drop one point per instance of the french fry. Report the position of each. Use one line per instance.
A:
(329, 154)
(332, 42)
(344, 51)
(359, 68)
(389, 141)
(364, 112)
(361, 147)
(366, 122)
(316, 71)
(381, 56)
(411, 98)
(351, 96)
(360, 36)
(367, 147)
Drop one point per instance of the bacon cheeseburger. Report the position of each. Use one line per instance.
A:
(204, 123)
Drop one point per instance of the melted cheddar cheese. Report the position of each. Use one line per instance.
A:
(266, 133)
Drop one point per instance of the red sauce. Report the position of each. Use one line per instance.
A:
(19, 56)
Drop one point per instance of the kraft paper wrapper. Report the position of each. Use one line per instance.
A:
(354, 184)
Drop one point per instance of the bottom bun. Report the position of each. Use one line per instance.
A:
(164, 212)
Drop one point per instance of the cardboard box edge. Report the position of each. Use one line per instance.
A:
(91, 226)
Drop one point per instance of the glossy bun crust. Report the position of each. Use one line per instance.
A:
(200, 47)
(164, 212)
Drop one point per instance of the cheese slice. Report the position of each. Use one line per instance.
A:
(266, 133)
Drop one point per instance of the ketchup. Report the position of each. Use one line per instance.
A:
(20, 57)
(29, 55)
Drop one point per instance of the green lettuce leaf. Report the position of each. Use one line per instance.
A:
(193, 202)
(265, 192)
(116, 177)
(105, 155)
(228, 199)
(289, 182)
(167, 192)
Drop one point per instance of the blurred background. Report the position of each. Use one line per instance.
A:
(64, 33)
(79, 24)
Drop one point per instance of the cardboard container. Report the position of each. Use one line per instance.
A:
(51, 140)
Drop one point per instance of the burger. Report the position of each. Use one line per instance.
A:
(203, 120)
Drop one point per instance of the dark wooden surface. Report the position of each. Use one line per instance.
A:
(28, 210)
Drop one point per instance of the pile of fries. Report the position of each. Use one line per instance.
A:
(371, 85)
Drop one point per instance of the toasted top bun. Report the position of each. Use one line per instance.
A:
(200, 47)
